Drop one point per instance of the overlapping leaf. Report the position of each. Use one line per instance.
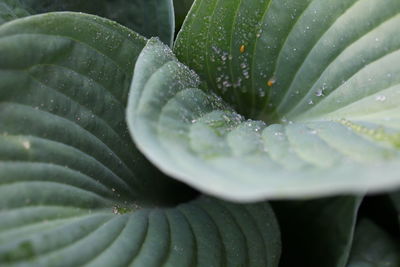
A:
(147, 17)
(322, 77)
(73, 188)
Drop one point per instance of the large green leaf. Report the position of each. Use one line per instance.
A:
(317, 232)
(373, 247)
(204, 232)
(330, 112)
(73, 188)
(46, 61)
(147, 17)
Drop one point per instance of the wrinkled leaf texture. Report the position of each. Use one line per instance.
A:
(74, 190)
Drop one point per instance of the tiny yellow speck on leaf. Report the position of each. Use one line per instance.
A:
(242, 48)
(271, 82)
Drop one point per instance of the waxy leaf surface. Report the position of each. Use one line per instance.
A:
(289, 99)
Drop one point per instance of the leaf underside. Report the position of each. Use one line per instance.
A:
(320, 80)
(74, 190)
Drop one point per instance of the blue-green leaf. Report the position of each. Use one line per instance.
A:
(309, 99)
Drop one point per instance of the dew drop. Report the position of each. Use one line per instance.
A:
(26, 145)
(319, 92)
(115, 210)
(226, 118)
(261, 92)
(380, 98)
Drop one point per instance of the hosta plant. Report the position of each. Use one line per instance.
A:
(255, 137)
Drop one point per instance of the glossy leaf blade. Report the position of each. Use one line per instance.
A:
(270, 59)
